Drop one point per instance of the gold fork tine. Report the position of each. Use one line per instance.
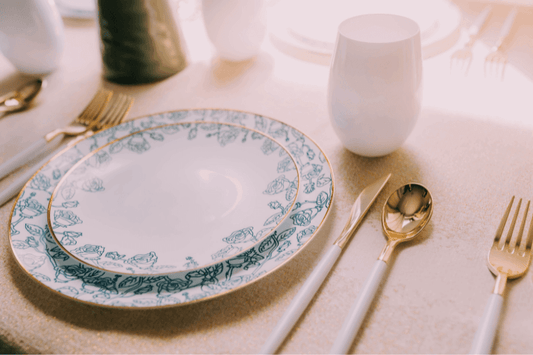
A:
(509, 238)
(527, 243)
(116, 111)
(97, 104)
(499, 231)
(519, 239)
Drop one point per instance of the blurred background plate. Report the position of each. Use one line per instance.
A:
(77, 9)
(308, 29)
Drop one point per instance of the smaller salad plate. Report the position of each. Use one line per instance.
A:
(173, 198)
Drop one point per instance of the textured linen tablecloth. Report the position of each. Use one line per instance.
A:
(472, 147)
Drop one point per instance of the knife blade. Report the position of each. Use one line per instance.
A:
(306, 293)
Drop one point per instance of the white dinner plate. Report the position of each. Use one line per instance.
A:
(311, 25)
(173, 198)
(39, 255)
(77, 9)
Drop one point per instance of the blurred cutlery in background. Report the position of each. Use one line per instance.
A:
(497, 59)
(21, 98)
(462, 58)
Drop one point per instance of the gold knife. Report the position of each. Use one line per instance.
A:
(311, 285)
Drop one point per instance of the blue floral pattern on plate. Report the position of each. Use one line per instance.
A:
(84, 182)
(40, 256)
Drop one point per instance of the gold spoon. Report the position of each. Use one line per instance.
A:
(20, 98)
(406, 212)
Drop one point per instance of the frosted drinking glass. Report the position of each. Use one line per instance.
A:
(375, 83)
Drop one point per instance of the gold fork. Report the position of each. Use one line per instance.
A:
(463, 57)
(87, 119)
(497, 59)
(509, 258)
(114, 114)
(80, 125)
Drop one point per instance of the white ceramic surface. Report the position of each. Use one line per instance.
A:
(375, 83)
(173, 198)
(39, 255)
(236, 28)
(31, 35)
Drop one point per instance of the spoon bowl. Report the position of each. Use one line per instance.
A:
(21, 98)
(406, 212)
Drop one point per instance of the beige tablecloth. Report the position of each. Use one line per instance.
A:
(472, 147)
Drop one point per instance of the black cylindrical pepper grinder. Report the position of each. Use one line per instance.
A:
(141, 41)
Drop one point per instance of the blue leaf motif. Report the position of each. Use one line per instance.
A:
(227, 137)
(70, 204)
(66, 240)
(19, 244)
(68, 192)
(228, 250)
(285, 165)
(280, 184)
(323, 181)
(310, 187)
(65, 218)
(274, 218)
(260, 124)
(115, 147)
(143, 261)
(30, 208)
(40, 182)
(138, 144)
(32, 242)
(286, 234)
(306, 233)
(311, 171)
(193, 133)
(93, 185)
(170, 129)
(302, 218)
(157, 136)
(56, 174)
(72, 234)
(98, 159)
(34, 229)
(114, 255)
(69, 291)
(269, 147)
(322, 199)
(89, 251)
(274, 205)
(130, 281)
(240, 236)
(144, 289)
(176, 116)
(33, 261)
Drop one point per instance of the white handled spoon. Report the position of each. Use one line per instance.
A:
(406, 212)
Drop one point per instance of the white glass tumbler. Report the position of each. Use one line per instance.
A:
(375, 83)
(236, 28)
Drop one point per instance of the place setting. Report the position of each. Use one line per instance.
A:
(188, 208)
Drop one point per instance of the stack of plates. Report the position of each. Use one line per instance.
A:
(171, 208)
